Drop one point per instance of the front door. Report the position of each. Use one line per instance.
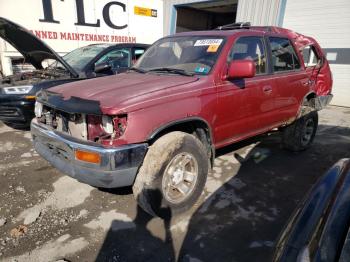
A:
(245, 106)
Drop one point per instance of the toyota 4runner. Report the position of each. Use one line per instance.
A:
(157, 126)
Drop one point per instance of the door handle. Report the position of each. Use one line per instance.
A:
(307, 82)
(267, 89)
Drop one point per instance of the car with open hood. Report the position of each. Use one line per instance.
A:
(157, 126)
(17, 92)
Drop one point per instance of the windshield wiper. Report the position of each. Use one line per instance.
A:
(171, 70)
(138, 70)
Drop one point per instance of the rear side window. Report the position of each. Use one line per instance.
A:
(250, 47)
(284, 57)
(310, 56)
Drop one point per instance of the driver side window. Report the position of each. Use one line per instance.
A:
(117, 58)
(250, 47)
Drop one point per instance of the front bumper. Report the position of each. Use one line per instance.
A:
(19, 110)
(118, 166)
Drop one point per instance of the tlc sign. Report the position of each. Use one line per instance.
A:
(49, 16)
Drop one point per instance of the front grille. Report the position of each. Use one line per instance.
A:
(9, 112)
(73, 124)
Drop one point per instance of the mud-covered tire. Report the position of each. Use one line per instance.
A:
(150, 188)
(299, 135)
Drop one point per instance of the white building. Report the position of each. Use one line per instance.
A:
(66, 25)
(327, 21)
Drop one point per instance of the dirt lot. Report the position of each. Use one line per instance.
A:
(253, 189)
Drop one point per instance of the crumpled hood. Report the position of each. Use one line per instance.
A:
(32, 48)
(124, 90)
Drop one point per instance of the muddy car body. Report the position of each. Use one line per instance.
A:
(17, 92)
(156, 126)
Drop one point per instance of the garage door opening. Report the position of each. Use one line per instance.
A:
(205, 15)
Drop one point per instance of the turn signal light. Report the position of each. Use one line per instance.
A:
(30, 97)
(88, 156)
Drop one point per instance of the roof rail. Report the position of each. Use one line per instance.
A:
(238, 25)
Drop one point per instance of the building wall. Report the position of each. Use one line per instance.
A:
(169, 13)
(260, 12)
(329, 23)
(127, 23)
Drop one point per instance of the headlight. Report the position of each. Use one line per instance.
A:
(38, 109)
(17, 90)
(107, 124)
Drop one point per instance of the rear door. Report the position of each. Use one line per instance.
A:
(291, 80)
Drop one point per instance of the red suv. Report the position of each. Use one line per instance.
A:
(157, 126)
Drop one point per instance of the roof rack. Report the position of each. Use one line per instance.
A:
(238, 25)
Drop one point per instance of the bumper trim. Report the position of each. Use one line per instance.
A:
(118, 165)
(321, 102)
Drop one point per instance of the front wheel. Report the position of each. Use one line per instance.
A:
(172, 176)
(299, 135)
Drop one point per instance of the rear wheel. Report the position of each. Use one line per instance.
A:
(299, 135)
(172, 176)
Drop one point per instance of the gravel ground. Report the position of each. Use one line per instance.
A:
(250, 194)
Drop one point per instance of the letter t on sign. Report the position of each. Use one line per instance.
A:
(48, 13)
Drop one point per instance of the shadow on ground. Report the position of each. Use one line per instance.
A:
(242, 219)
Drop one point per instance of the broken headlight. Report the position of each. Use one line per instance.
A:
(17, 90)
(106, 128)
(114, 126)
(107, 124)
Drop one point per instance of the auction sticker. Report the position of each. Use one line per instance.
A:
(212, 48)
(208, 42)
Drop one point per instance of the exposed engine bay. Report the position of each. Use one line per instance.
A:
(32, 77)
(102, 129)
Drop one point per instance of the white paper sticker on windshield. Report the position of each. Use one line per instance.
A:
(207, 42)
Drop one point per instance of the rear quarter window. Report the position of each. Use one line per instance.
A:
(310, 56)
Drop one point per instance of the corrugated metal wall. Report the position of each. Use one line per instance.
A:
(261, 12)
(258, 12)
(329, 23)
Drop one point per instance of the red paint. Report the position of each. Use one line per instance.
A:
(234, 109)
(241, 69)
(95, 130)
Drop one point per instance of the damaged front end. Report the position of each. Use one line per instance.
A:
(80, 118)
(75, 137)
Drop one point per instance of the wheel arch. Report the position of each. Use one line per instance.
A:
(191, 125)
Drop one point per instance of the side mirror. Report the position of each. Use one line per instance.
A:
(102, 67)
(241, 69)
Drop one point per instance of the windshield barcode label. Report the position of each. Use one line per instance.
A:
(207, 42)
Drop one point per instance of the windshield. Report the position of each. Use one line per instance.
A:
(80, 57)
(192, 54)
